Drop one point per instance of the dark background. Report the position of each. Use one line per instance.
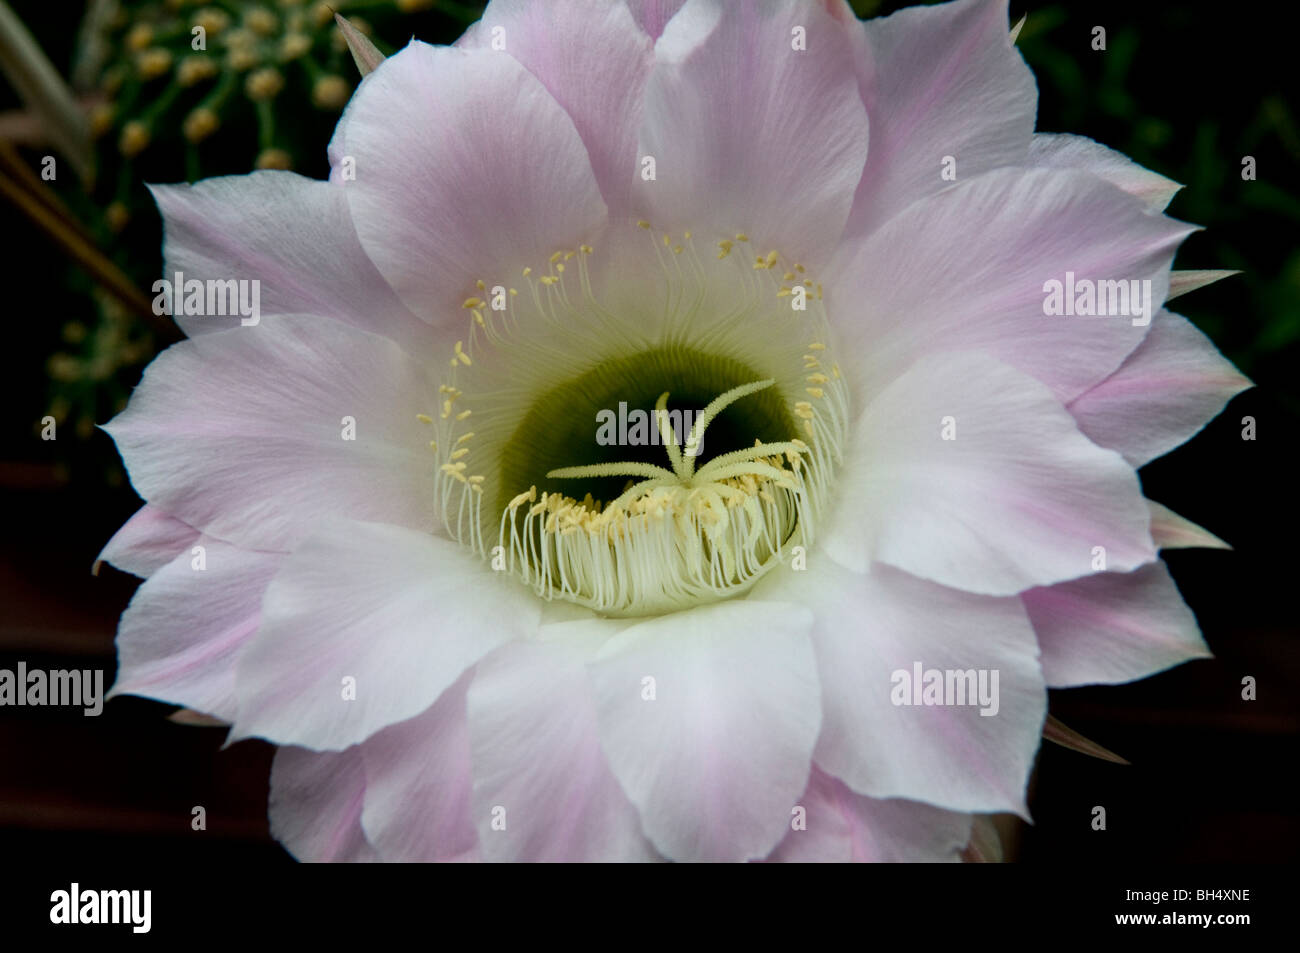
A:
(1184, 89)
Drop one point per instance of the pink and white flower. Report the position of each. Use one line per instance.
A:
(410, 584)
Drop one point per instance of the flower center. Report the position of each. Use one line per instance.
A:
(719, 361)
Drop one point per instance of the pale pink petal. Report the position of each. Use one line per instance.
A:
(749, 134)
(593, 58)
(925, 282)
(843, 827)
(653, 15)
(939, 81)
(1113, 627)
(242, 433)
(315, 806)
(179, 640)
(146, 542)
(400, 613)
(1171, 531)
(466, 168)
(292, 235)
(1061, 151)
(418, 784)
(1018, 498)
(1169, 388)
(715, 759)
(970, 753)
(542, 788)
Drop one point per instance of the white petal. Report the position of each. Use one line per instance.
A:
(1113, 627)
(542, 788)
(1019, 498)
(966, 753)
(315, 805)
(717, 759)
(400, 612)
(418, 783)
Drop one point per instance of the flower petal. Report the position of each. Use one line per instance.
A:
(941, 81)
(1113, 627)
(400, 612)
(593, 58)
(315, 805)
(771, 145)
(717, 757)
(418, 780)
(1017, 498)
(180, 638)
(966, 753)
(542, 788)
(844, 827)
(653, 15)
(291, 234)
(243, 433)
(438, 211)
(1061, 151)
(1168, 389)
(149, 540)
(1035, 226)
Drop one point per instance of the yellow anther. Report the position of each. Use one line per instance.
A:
(477, 479)
(473, 303)
(446, 406)
(783, 293)
(817, 378)
(452, 467)
(513, 292)
(568, 255)
(642, 224)
(725, 246)
(815, 391)
(798, 267)
(461, 355)
(478, 317)
(464, 437)
(771, 258)
(556, 257)
(835, 369)
(585, 249)
(667, 240)
(687, 236)
(741, 237)
(463, 452)
(464, 414)
(433, 445)
(527, 272)
(816, 346)
(807, 283)
(549, 280)
(424, 418)
(480, 285)
(677, 249)
(788, 276)
(560, 268)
